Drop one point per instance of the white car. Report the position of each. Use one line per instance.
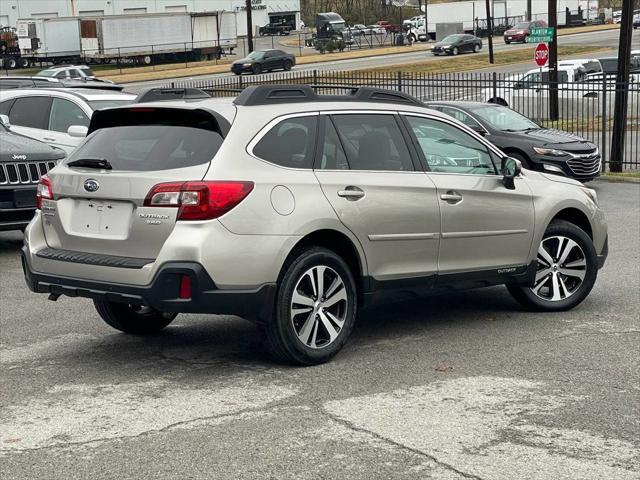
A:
(72, 72)
(59, 117)
(377, 29)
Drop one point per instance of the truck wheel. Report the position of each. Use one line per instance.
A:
(24, 62)
(566, 271)
(10, 63)
(315, 308)
(133, 319)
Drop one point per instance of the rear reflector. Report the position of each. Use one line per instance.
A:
(45, 190)
(185, 287)
(198, 200)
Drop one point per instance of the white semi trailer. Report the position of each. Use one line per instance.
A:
(467, 12)
(142, 38)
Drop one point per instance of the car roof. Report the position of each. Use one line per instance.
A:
(85, 94)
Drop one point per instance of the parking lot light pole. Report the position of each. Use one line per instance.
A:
(249, 26)
(490, 30)
(621, 88)
(554, 113)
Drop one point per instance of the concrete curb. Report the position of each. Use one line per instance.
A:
(618, 179)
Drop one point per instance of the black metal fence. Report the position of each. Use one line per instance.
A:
(585, 108)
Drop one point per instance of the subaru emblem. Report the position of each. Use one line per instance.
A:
(91, 185)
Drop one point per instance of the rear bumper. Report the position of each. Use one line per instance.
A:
(163, 291)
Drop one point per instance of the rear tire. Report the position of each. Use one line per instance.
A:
(133, 319)
(566, 272)
(305, 329)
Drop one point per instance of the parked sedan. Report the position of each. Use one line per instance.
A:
(538, 148)
(360, 29)
(376, 29)
(23, 161)
(260, 61)
(457, 43)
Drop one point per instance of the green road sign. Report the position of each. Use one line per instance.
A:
(541, 39)
(542, 32)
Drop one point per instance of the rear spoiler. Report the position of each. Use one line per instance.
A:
(161, 93)
(135, 115)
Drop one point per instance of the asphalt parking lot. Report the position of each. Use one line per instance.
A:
(460, 386)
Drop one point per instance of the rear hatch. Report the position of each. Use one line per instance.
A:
(99, 191)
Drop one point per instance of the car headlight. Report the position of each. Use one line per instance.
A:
(446, 46)
(550, 152)
(246, 64)
(591, 193)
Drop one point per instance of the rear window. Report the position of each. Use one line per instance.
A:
(150, 147)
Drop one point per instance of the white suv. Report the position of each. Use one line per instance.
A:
(59, 117)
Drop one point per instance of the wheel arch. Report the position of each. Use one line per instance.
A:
(337, 242)
(577, 217)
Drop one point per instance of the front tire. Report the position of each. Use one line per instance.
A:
(476, 48)
(287, 65)
(315, 308)
(566, 271)
(133, 319)
(256, 69)
(454, 52)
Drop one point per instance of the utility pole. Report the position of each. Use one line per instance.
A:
(622, 88)
(490, 30)
(249, 26)
(552, 12)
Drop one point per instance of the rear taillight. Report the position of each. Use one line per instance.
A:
(45, 190)
(198, 200)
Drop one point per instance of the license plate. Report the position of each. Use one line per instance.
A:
(24, 198)
(102, 218)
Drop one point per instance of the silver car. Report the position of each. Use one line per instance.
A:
(295, 210)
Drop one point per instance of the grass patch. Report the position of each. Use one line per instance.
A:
(623, 174)
(477, 61)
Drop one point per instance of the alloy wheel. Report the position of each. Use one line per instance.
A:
(319, 307)
(562, 267)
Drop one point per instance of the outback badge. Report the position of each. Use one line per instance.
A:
(91, 185)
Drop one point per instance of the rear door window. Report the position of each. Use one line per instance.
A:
(32, 112)
(373, 142)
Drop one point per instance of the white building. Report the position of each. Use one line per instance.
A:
(263, 11)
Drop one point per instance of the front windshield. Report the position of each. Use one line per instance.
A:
(46, 73)
(452, 38)
(98, 104)
(255, 55)
(521, 26)
(338, 26)
(503, 118)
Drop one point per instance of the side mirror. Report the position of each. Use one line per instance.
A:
(77, 131)
(4, 119)
(511, 168)
(479, 130)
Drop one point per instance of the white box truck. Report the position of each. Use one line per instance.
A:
(142, 38)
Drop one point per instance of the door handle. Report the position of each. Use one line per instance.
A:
(451, 197)
(351, 193)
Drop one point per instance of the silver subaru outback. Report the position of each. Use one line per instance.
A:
(295, 210)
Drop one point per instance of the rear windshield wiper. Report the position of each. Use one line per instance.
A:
(102, 163)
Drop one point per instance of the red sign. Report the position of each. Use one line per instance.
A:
(541, 54)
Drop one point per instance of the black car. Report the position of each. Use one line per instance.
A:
(538, 148)
(260, 61)
(23, 161)
(457, 43)
(275, 29)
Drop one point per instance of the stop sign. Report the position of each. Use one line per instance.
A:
(541, 54)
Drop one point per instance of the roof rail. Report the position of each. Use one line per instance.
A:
(160, 94)
(276, 94)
